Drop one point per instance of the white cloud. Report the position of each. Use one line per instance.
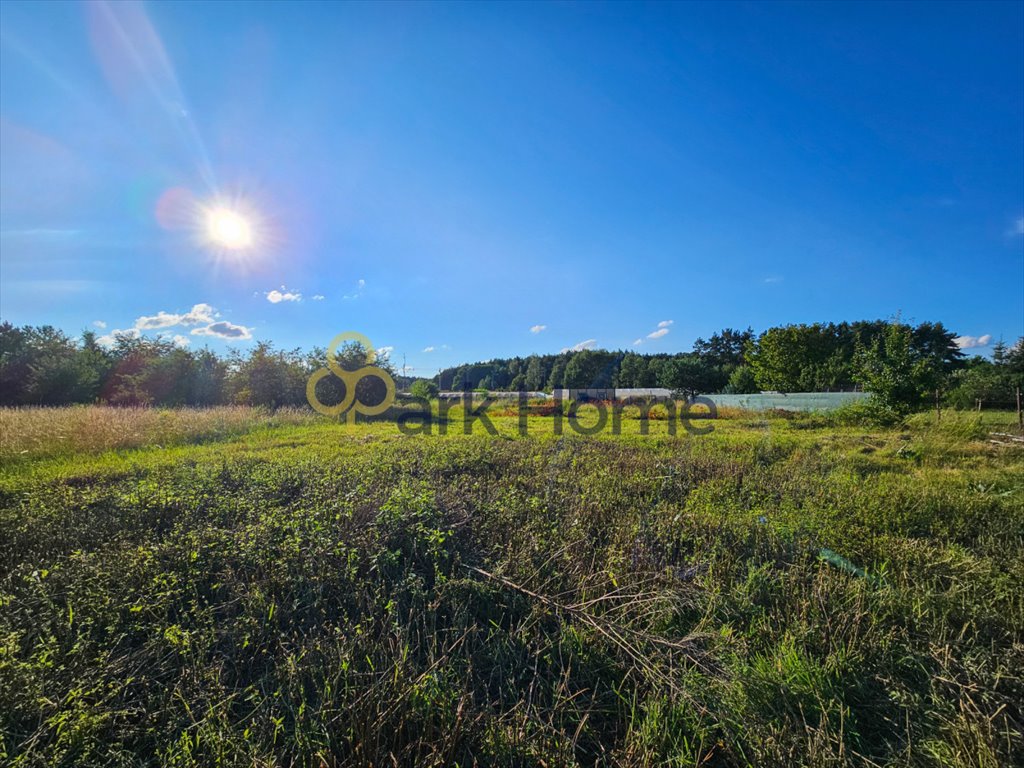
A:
(588, 344)
(111, 338)
(159, 320)
(773, 279)
(1018, 228)
(386, 350)
(538, 328)
(428, 349)
(200, 313)
(99, 324)
(970, 342)
(637, 342)
(276, 297)
(657, 334)
(318, 297)
(224, 330)
(360, 284)
(665, 323)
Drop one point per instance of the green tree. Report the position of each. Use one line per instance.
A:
(209, 379)
(780, 357)
(633, 371)
(742, 381)
(722, 354)
(898, 377)
(690, 376)
(590, 368)
(424, 389)
(535, 374)
(15, 361)
(557, 378)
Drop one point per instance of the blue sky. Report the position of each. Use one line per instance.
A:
(483, 180)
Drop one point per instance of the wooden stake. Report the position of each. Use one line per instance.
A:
(1020, 413)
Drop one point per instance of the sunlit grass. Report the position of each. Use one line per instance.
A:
(298, 591)
(35, 432)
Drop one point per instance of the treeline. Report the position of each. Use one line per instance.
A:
(43, 366)
(822, 357)
(792, 358)
(709, 368)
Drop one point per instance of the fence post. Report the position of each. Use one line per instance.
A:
(1020, 413)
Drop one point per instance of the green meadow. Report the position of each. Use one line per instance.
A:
(233, 588)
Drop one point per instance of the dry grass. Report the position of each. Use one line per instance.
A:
(37, 432)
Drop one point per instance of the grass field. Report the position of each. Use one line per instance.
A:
(252, 590)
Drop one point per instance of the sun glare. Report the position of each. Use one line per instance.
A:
(228, 229)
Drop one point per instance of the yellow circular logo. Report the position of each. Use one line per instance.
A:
(349, 404)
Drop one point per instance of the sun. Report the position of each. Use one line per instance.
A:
(228, 229)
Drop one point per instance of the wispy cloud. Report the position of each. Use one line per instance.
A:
(224, 330)
(773, 279)
(277, 296)
(387, 350)
(318, 297)
(971, 342)
(662, 330)
(359, 291)
(181, 341)
(538, 328)
(1018, 226)
(428, 349)
(587, 344)
(99, 324)
(41, 232)
(57, 285)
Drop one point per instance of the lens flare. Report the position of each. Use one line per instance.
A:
(228, 229)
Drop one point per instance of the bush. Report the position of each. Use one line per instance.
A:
(424, 389)
(871, 412)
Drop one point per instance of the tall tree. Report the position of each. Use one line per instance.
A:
(896, 374)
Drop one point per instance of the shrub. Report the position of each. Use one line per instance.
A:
(424, 389)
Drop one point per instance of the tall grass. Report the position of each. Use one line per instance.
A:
(36, 432)
(479, 601)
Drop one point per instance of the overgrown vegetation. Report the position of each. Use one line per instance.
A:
(43, 366)
(780, 592)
